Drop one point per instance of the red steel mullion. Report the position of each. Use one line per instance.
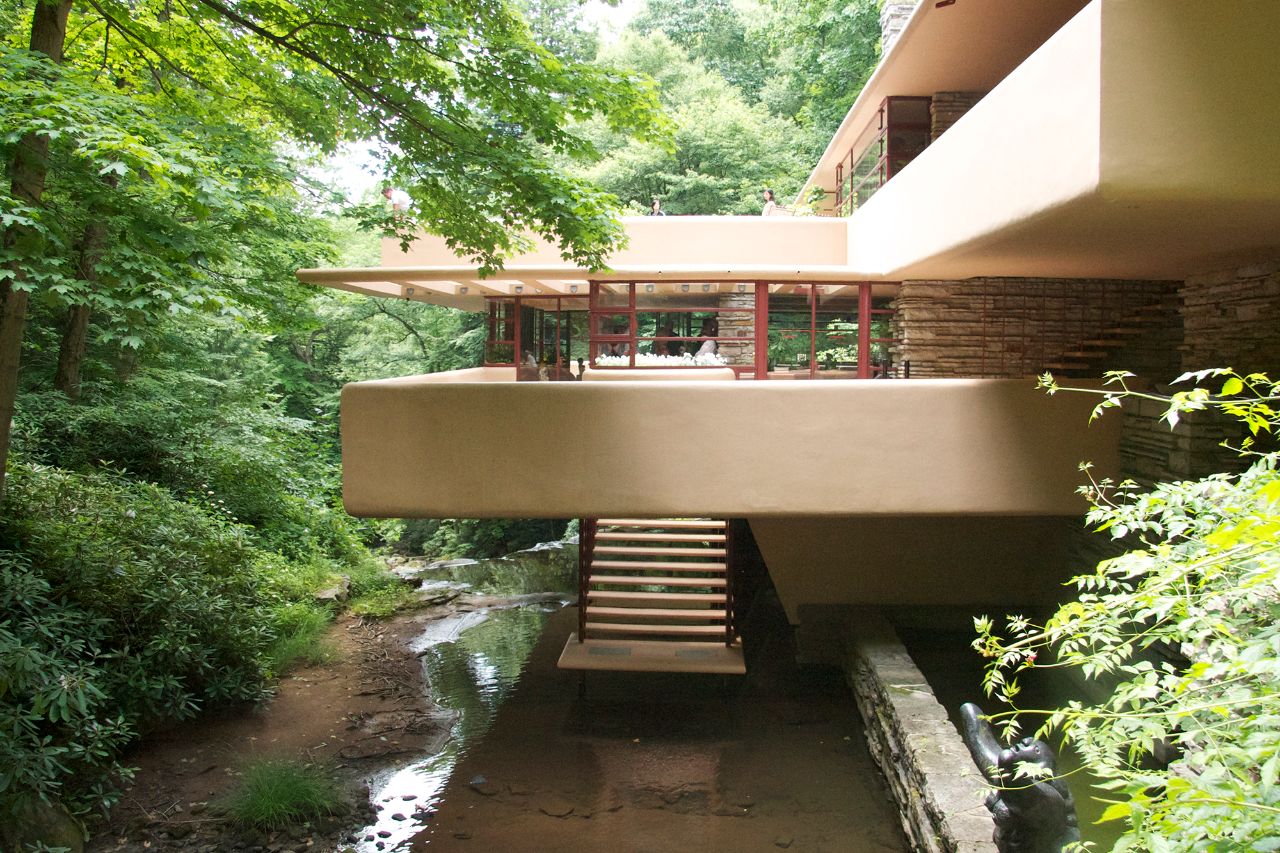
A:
(762, 330)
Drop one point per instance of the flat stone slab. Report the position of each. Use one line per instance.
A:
(652, 656)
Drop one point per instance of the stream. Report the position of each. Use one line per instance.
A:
(471, 661)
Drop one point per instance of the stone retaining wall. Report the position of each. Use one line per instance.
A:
(1232, 319)
(1016, 327)
(946, 108)
(938, 789)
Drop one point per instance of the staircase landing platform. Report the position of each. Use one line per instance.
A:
(652, 656)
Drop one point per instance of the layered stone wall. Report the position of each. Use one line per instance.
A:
(1232, 319)
(937, 787)
(1017, 327)
(738, 326)
(946, 108)
(893, 17)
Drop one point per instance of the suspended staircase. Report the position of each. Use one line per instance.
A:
(1091, 355)
(655, 595)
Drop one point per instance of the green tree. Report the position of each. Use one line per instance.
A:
(824, 53)
(713, 32)
(1182, 632)
(724, 151)
(472, 112)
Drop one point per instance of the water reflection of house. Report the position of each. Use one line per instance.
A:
(1023, 185)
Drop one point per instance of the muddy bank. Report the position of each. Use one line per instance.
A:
(367, 714)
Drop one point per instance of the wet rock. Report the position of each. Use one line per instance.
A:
(552, 805)
(398, 816)
(519, 789)
(337, 593)
(408, 798)
(38, 821)
(483, 786)
(372, 747)
(784, 843)
(382, 833)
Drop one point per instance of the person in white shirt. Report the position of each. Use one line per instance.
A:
(399, 198)
(769, 204)
(710, 329)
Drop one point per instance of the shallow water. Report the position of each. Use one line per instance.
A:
(471, 660)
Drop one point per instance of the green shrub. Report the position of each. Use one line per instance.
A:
(275, 793)
(243, 459)
(120, 607)
(1182, 634)
(383, 602)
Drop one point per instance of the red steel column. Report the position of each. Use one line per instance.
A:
(762, 330)
(864, 330)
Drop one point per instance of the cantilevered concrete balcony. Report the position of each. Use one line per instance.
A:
(1139, 141)
(476, 444)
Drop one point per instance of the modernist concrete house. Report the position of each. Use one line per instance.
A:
(1023, 186)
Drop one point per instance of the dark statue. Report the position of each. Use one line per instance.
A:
(1031, 816)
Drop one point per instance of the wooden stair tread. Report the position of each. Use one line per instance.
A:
(649, 565)
(691, 613)
(674, 523)
(641, 551)
(659, 537)
(626, 580)
(652, 656)
(633, 628)
(656, 597)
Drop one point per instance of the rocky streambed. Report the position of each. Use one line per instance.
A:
(389, 715)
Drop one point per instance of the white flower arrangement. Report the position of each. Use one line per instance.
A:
(648, 359)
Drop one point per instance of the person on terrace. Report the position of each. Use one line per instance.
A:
(655, 207)
(620, 327)
(770, 206)
(710, 329)
(399, 198)
(667, 346)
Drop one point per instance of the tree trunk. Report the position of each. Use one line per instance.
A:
(27, 171)
(75, 336)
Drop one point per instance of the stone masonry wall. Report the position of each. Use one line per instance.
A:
(893, 17)
(938, 788)
(738, 326)
(1232, 319)
(946, 109)
(1017, 327)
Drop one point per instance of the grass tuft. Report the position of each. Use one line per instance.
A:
(301, 639)
(275, 793)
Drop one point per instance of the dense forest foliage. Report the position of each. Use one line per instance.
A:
(171, 494)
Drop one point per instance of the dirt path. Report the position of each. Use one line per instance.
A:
(356, 713)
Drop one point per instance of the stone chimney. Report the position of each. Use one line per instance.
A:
(893, 17)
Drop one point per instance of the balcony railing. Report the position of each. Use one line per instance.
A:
(899, 131)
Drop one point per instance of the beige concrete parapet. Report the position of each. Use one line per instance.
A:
(434, 448)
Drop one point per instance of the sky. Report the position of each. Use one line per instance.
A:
(355, 170)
